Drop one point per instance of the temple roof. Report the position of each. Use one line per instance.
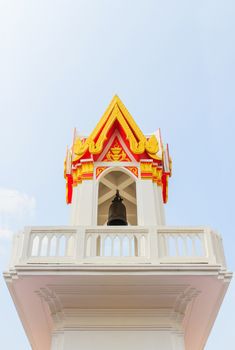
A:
(117, 138)
(116, 116)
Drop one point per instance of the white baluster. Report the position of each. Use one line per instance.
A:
(57, 249)
(40, 244)
(135, 246)
(176, 245)
(130, 245)
(49, 235)
(103, 245)
(112, 245)
(98, 246)
(35, 247)
(194, 252)
(185, 246)
(88, 246)
(121, 245)
(166, 244)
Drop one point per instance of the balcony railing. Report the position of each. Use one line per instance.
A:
(117, 245)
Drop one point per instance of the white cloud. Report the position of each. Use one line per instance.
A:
(14, 203)
(15, 208)
(5, 233)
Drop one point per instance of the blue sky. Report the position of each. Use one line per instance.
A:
(172, 64)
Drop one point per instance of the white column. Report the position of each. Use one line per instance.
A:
(82, 204)
(149, 204)
(159, 205)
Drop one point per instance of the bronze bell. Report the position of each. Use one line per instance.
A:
(117, 212)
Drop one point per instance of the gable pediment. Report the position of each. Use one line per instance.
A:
(116, 150)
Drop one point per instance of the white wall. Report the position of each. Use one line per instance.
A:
(118, 340)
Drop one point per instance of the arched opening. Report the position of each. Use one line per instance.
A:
(108, 184)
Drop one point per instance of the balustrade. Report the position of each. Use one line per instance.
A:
(81, 245)
(120, 243)
(51, 244)
(182, 244)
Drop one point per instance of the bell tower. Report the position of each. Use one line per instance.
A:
(117, 156)
(117, 277)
